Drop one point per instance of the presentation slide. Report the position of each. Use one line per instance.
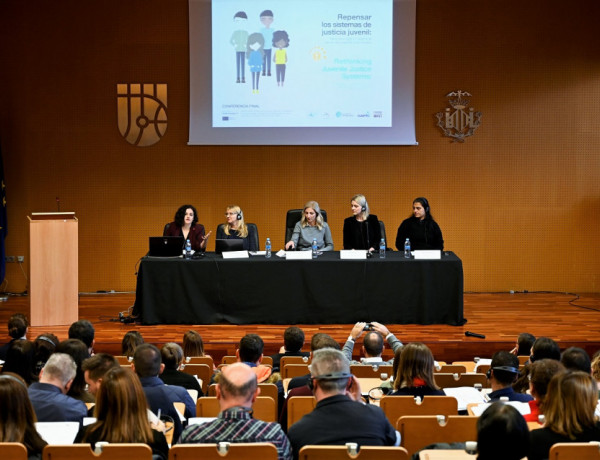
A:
(302, 63)
(305, 72)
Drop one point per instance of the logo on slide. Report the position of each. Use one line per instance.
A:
(142, 112)
(461, 122)
(318, 54)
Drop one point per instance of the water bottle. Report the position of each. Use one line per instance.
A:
(315, 248)
(268, 248)
(407, 249)
(382, 249)
(188, 249)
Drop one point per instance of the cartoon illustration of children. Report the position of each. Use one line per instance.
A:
(255, 53)
(266, 18)
(239, 39)
(280, 41)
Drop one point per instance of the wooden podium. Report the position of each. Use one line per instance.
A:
(53, 268)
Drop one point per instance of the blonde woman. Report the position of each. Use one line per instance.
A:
(235, 228)
(311, 226)
(362, 229)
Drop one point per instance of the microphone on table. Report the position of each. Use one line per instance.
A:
(473, 334)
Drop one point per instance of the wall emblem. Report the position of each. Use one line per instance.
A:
(458, 121)
(142, 112)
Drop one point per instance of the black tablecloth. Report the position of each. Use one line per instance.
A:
(326, 290)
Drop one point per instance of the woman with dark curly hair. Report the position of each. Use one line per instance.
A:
(186, 224)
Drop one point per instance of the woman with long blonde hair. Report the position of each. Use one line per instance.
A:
(311, 226)
(122, 414)
(235, 228)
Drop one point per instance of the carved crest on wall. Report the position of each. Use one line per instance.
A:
(142, 112)
(458, 121)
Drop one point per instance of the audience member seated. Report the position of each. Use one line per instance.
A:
(299, 386)
(43, 346)
(94, 369)
(193, 344)
(372, 344)
(121, 415)
(596, 368)
(319, 341)
(20, 361)
(576, 359)
(524, 343)
(414, 376)
(293, 341)
(544, 348)
(340, 416)
(503, 372)
(49, 396)
(250, 352)
(77, 350)
(236, 391)
(502, 434)
(17, 418)
(84, 331)
(540, 375)
(172, 358)
(130, 342)
(569, 413)
(147, 365)
(17, 330)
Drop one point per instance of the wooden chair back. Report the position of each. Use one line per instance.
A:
(13, 451)
(418, 431)
(123, 360)
(285, 360)
(523, 359)
(348, 453)
(398, 406)
(109, 452)
(452, 369)
(266, 360)
(294, 370)
(199, 360)
(264, 408)
(483, 368)
(462, 380)
(224, 451)
(364, 371)
(298, 407)
(469, 365)
(575, 450)
(202, 371)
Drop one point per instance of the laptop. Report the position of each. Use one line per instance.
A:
(165, 246)
(234, 244)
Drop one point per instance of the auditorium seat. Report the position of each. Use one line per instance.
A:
(363, 371)
(200, 360)
(13, 451)
(201, 371)
(289, 371)
(398, 406)
(452, 369)
(292, 217)
(348, 452)
(462, 380)
(224, 451)
(418, 431)
(285, 360)
(298, 407)
(469, 365)
(109, 452)
(575, 450)
(266, 360)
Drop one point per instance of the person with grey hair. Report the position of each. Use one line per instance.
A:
(236, 391)
(49, 395)
(339, 401)
(172, 357)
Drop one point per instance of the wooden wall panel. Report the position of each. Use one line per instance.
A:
(519, 202)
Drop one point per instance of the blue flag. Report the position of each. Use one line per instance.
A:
(3, 228)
